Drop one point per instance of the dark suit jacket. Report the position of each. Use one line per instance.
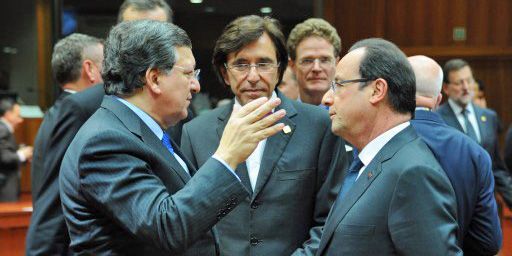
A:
(468, 166)
(488, 125)
(123, 193)
(47, 233)
(396, 207)
(299, 178)
(9, 166)
(508, 148)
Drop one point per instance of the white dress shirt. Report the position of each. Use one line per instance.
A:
(254, 160)
(370, 151)
(471, 117)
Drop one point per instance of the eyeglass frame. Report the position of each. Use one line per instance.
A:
(272, 66)
(312, 64)
(194, 74)
(341, 84)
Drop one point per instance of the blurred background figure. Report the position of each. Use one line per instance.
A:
(11, 154)
(479, 94)
(289, 86)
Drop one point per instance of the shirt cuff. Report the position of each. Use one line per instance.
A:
(227, 166)
(21, 156)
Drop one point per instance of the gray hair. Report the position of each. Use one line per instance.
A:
(144, 6)
(133, 47)
(385, 60)
(68, 55)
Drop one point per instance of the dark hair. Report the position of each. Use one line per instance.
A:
(68, 55)
(453, 65)
(144, 6)
(133, 47)
(6, 104)
(313, 27)
(385, 60)
(243, 31)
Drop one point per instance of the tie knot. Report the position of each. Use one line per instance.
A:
(356, 165)
(167, 142)
(465, 111)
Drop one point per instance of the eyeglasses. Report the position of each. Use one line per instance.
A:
(263, 67)
(468, 81)
(324, 62)
(189, 74)
(335, 85)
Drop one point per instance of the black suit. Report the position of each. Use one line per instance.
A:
(124, 194)
(9, 165)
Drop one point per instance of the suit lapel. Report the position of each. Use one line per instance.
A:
(275, 146)
(241, 169)
(483, 125)
(136, 126)
(371, 172)
(450, 118)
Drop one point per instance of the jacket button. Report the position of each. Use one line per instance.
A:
(255, 204)
(255, 241)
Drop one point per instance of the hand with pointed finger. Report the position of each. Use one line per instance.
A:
(246, 127)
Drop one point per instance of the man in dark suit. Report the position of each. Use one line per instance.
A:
(76, 66)
(290, 174)
(47, 232)
(395, 198)
(123, 181)
(480, 124)
(467, 165)
(11, 155)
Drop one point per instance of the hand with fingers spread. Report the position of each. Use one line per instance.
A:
(248, 126)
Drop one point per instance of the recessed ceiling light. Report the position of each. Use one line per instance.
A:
(266, 10)
(196, 1)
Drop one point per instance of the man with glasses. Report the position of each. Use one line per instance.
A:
(480, 124)
(314, 47)
(293, 176)
(395, 198)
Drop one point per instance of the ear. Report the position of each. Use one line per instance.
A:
(88, 70)
(336, 61)
(379, 90)
(152, 76)
(445, 87)
(438, 101)
(224, 74)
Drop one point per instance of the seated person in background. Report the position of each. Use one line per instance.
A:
(11, 154)
(288, 85)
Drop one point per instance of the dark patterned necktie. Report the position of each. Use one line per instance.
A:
(470, 131)
(351, 176)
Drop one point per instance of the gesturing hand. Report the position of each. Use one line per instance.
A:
(246, 127)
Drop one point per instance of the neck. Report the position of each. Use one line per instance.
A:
(76, 86)
(314, 99)
(141, 100)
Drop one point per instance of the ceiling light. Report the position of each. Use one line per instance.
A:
(196, 1)
(266, 10)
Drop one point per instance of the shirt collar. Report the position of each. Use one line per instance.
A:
(372, 148)
(70, 91)
(148, 120)
(458, 109)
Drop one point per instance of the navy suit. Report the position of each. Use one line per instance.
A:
(124, 194)
(488, 125)
(468, 166)
(401, 204)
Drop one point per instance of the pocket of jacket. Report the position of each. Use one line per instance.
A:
(294, 174)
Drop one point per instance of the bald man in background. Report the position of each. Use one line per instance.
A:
(467, 165)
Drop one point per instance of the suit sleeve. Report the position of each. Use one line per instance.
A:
(120, 184)
(9, 159)
(331, 165)
(422, 214)
(484, 235)
(502, 176)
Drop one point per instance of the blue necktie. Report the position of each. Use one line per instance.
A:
(167, 143)
(351, 176)
(470, 131)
